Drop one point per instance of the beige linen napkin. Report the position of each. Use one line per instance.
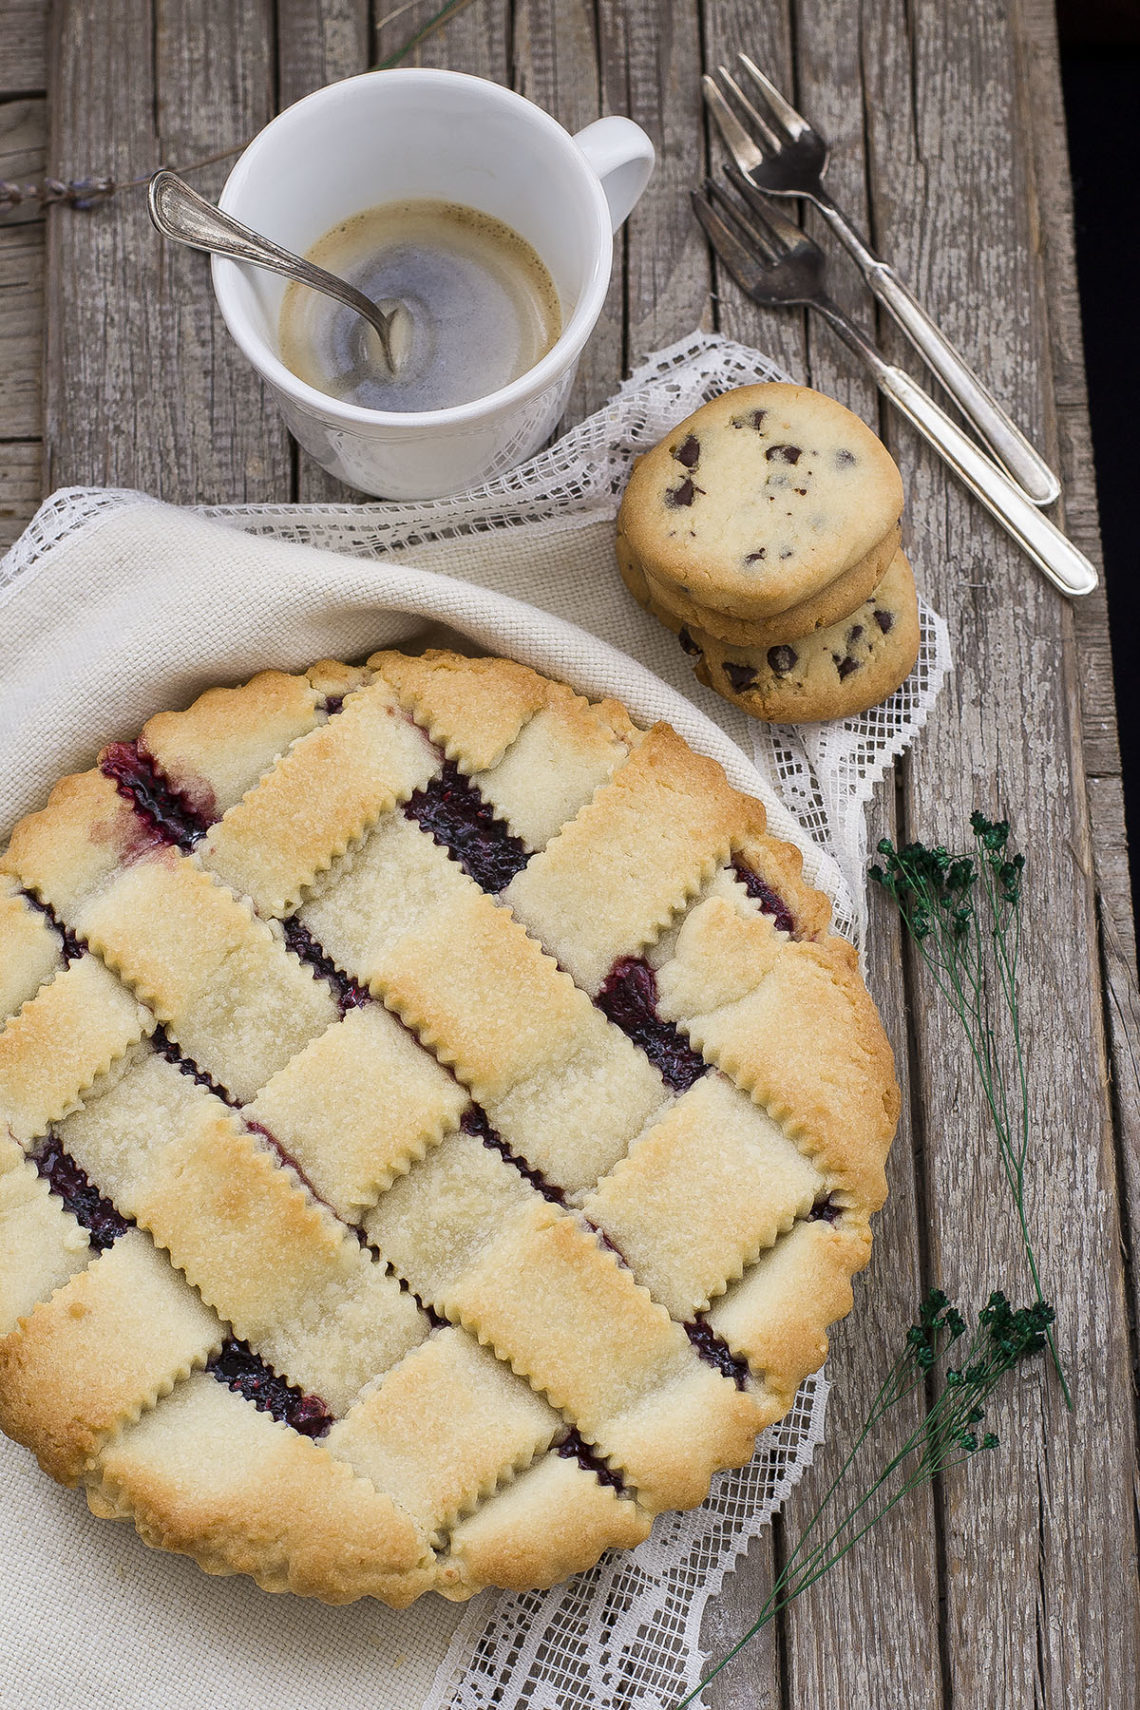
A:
(138, 608)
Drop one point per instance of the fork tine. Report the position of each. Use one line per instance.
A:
(761, 129)
(785, 114)
(739, 144)
(781, 230)
(727, 245)
(753, 232)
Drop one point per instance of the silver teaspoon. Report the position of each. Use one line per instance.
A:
(180, 213)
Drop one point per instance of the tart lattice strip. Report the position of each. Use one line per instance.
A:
(357, 1107)
(61, 1394)
(277, 1265)
(63, 1042)
(219, 978)
(563, 1086)
(777, 1315)
(206, 1475)
(619, 872)
(553, 1520)
(447, 1433)
(470, 1236)
(793, 1026)
(701, 1195)
(534, 750)
(220, 746)
(41, 1243)
(33, 951)
(319, 799)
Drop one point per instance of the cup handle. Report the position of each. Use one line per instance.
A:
(622, 156)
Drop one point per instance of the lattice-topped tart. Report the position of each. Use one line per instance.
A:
(436, 1129)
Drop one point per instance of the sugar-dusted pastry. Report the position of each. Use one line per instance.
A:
(437, 1128)
(760, 500)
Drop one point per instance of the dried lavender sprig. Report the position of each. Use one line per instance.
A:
(946, 1435)
(85, 193)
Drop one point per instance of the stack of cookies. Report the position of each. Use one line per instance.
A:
(764, 532)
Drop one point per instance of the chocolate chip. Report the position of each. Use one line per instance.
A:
(781, 660)
(682, 495)
(843, 458)
(740, 676)
(754, 419)
(688, 645)
(784, 453)
(802, 491)
(845, 666)
(755, 557)
(688, 451)
(854, 633)
(883, 619)
(787, 552)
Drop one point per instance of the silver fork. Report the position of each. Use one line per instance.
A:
(781, 153)
(776, 263)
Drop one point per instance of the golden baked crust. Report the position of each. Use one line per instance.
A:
(456, 1050)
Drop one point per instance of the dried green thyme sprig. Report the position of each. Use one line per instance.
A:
(83, 194)
(964, 914)
(948, 1433)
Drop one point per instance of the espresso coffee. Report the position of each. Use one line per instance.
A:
(482, 308)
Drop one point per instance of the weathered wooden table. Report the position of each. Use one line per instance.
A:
(1015, 1583)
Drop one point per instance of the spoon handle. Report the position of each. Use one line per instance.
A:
(180, 213)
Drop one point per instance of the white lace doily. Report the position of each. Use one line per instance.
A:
(626, 1635)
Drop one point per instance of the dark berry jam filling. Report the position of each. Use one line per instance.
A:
(715, 1351)
(574, 1447)
(475, 1121)
(84, 1201)
(70, 946)
(629, 998)
(825, 1211)
(246, 1373)
(166, 810)
(166, 1047)
(300, 940)
(451, 808)
(771, 902)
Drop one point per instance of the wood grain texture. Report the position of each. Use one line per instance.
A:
(23, 136)
(824, 77)
(143, 386)
(21, 485)
(1057, 1625)
(23, 58)
(949, 145)
(556, 63)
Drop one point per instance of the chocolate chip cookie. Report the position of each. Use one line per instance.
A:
(760, 500)
(834, 673)
(674, 608)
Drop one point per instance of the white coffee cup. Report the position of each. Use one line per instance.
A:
(391, 136)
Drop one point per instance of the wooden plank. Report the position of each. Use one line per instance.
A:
(319, 42)
(649, 59)
(23, 61)
(824, 76)
(555, 60)
(143, 386)
(954, 208)
(19, 486)
(23, 132)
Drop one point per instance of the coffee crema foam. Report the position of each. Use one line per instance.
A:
(483, 308)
